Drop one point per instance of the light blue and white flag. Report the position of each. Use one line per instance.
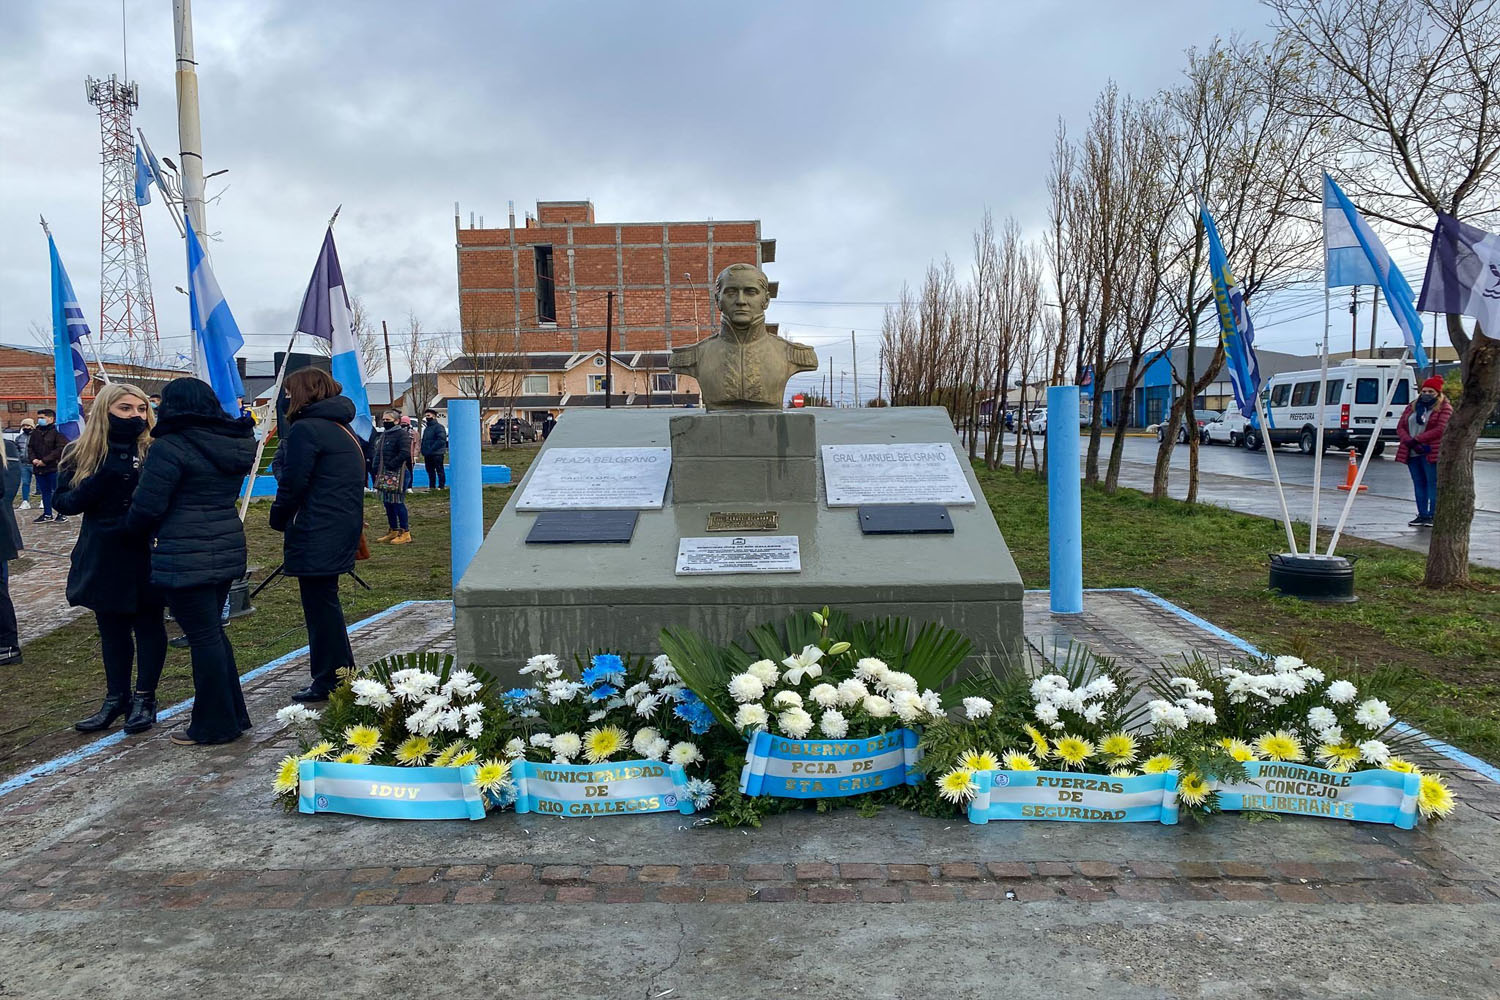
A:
(1235, 329)
(326, 313)
(143, 178)
(1354, 255)
(218, 336)
(68, 329)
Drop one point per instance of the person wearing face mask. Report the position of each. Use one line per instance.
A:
(46, 448)
(23, 441)
(110, 571)
(434, 450)
(1421, 432)
(390, 457)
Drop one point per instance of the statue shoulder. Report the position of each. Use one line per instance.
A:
(683, 358)
(801, 354)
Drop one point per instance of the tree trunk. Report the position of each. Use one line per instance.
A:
(1448, 550)
(1122, 421)
(1164, 449)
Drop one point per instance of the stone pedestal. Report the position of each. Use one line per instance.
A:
(517, 600)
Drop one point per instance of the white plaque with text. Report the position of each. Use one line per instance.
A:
(739, 554)
(858, 474)
(598, 479)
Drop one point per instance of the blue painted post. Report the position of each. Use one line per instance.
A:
(465, 491)
(1064, 502)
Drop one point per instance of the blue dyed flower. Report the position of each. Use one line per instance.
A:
(692, 710)
(604, 668)
(603, 692)
(517, 697)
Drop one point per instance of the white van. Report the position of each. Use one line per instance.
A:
(1355, 391)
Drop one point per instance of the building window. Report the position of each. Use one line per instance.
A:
(471, 385)
(664, 382)
(16, 405)
(596, 383)
(546, 294)
(534, 385)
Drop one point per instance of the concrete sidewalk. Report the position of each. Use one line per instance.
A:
(171, 869)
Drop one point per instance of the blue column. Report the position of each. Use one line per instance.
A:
(465, 492)
(1064, 501)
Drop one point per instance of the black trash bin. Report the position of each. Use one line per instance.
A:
(1326, 579)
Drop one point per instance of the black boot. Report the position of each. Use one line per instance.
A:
(142, 713)
(115, 705)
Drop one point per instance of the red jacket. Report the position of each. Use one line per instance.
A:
(1432, 434)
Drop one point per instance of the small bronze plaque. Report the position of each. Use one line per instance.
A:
(765, 520)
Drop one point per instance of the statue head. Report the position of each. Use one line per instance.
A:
(742, 292)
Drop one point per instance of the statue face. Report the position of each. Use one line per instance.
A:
(742, 300)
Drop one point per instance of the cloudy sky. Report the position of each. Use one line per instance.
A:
(867, 136)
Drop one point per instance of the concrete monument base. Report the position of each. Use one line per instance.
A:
(518, 599)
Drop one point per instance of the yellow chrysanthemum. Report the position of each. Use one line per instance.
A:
(1072, 750)
(352, 757)
(604, 742)
(1280, 746)
(464, 758)
(286, 775)
(1403, 765)
(320, 750)
(978, 760)
(414, 751)
(1122, 772)
(1018, 762)
(1238, 749)
(1192, 789)
(957, 786)
(1160, 764)
(1120, 748)
(491, 775)
(445, 759)
(1040, 748)
(1434, 800)
(1338, 756)
(365, 739)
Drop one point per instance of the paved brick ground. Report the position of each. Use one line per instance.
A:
(39, 589)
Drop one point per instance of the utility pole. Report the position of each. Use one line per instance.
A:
(830, 380)
(855, 351)
(609, 333)
(880, 374)
(1374, 316)
(1354, 322)
(390, 380)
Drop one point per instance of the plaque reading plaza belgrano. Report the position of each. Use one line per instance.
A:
(598, 479)
(856, 475)
(739, 554)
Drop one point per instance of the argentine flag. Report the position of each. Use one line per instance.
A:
(143, 178)
(217, 334)
(1354, 255)
(68, 329)
(325, 313)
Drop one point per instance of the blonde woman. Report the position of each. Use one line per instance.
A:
(111, 567)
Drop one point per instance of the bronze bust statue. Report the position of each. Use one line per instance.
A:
(744, 366)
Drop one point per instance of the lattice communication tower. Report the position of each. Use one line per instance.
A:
(127, 315)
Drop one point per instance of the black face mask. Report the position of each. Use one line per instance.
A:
(126, 428)
(388, 423)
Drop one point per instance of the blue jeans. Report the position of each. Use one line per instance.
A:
(1423, 484)
(25, 481)
(396, 517)
(46, 482)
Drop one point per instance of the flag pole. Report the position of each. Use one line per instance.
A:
(1317, 483)
(1286, 517)
(1359, 475)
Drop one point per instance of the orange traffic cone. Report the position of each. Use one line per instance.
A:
(1348, 483)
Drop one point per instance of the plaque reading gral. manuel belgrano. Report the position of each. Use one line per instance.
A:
(855, 475)
(598, 479)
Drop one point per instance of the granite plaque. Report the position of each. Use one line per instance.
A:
(906, 519)
(739, 554)
(598, 479)
(553, 527)
(856, 475)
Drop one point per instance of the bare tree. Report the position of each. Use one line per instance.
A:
(1413, 88)
(371, 346)
(424, 352)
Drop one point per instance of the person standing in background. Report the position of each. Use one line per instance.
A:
(320, 509)
(390, 456)
(110, 568)
(186, 505)
(415, 440)
(434, 450)
(548, 422)
(46, 448)
(23, 442)
(1421, 432)
(10, 548)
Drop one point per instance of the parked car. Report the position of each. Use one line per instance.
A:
(1201, 416)
(1228, 428)
(520, 430)
(1354, 392)
(1036, 423)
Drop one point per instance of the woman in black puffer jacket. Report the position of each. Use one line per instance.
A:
(186, 503)
(320, 505)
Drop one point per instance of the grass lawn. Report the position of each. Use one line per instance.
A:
(1445, 647)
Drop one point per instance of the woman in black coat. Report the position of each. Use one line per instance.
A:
(320, 508)
(10, 548)
(186, 504)
(390, 459)
(110, 571)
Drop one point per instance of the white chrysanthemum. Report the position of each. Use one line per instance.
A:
(787, 699)
(1333, 734)
(977, 708)
(372, 693)
(1291, 684)
(896, 680)
(795, 722)
(870, 669)
(1045, 712)
(746, 687)
(1100, 687)
(1165, 715)
(1282, 664)
(597, 714)
(1320, 717)
(852, 692)
(1071, 701)
(763, 671)
(644, 736)
(567, 745)
(1199, 712)
(1310, 674)
(1373, 713)
(908, 705)
(296, 714)
(825, 695)
(1341, 692)
(1375, 752)
(544, 664)
(663, 671)
(751, 716)
(932, 702)
(877, 707)
(647, 705)
(542, 741)
(462, 683)
(1093, 713)
(834, 725)
(685, 753)
(472, 710)
(656, 749)
(636, 692)
(560, 690)
(474, 730)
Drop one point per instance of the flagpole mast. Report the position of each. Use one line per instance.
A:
(1286, 517)
(1359, 475)
(190, 139)
(1317, 483)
